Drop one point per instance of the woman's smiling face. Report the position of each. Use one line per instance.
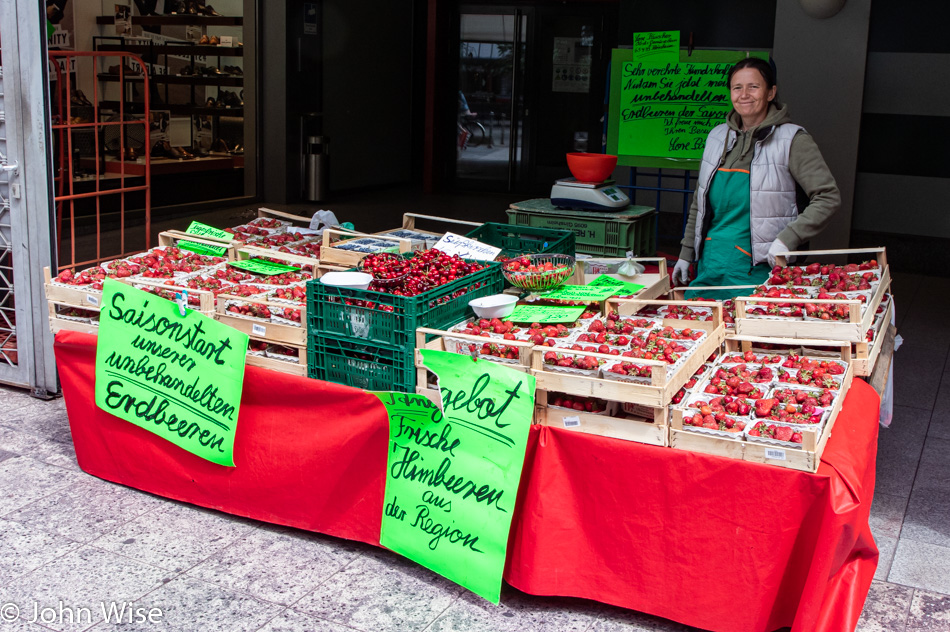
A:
(750, 97)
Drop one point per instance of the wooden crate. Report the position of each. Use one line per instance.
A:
(261, 330)
(172, 237)
(58, 323)
(653, 431)
(434, 395)
(300, 368)
(813, 443)
(330, 253)
(82, 296)
(205, 297)
(661, 389)
(853, 330)
(438, 343)
(867, 353)
(409, 223)
(655, 285)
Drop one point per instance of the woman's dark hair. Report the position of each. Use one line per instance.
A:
(765, 69)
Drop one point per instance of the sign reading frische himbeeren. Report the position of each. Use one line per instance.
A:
(177, 376)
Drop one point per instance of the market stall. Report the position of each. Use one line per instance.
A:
(678, 534)
(680, 454)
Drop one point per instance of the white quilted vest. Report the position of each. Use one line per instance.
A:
(772, 188)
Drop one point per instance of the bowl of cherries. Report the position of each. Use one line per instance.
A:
(538, 272)
(386, 268)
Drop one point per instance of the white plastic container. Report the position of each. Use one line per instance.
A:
(354, 280)
(494, 306)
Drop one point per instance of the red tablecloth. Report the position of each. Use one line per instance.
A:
(711, 542)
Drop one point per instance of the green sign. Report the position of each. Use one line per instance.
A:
(586, 293)
(177, 376)
(259, 266)
(668, 109)
(545, 314)
(658, 46)
(624, 288)
(203, 230)
(452, 473)
(203, 249)
(661, 110)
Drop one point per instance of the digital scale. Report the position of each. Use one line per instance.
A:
(570, 193)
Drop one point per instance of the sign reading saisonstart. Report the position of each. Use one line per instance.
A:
(177, 376)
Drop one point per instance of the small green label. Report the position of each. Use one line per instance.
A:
(657, 46)
(203, 230)
(623, 287)
(202, 249)
(258, 266)
(545, 314)
(585, 293)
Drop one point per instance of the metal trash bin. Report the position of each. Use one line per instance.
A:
(317, 168)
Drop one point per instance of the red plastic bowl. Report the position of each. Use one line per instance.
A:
(591, 167)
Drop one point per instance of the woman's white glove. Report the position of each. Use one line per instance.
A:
(681, 272)
(777, 248)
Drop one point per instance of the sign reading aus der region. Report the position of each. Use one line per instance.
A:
(624, 288)
(177, 376)
(452, 473)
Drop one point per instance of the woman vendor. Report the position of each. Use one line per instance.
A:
(757, 170)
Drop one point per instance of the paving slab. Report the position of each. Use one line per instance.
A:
(25, 480)
(886, 608)
(921, 565)
(276, 565)
(175, 537)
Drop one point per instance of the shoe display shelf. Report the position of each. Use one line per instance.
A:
(171, 65)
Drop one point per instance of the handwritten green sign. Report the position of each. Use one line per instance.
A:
(668, 109)
(657, 46)
(452, 473)
(545, 314)
(203, 230)
(203, 249)
(259, 266)
(624, 288)
(177, 376)
(585, 293)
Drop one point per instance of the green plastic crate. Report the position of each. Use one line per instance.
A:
(360, 364)
(393, 320)
(524, 240)
(599, 234)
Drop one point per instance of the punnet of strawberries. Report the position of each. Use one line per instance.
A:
(715, 416)
(578, 403)
(773, 431)
(774, 410)
(583, 362)
(494, 349)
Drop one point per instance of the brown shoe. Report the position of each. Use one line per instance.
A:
(215, 40)
(130, 155)
(184, 153)
(219, 146)
(204, 40)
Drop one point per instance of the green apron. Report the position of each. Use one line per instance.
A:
(727, 252)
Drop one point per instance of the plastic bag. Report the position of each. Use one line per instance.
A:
(613, 265)
(327, 219)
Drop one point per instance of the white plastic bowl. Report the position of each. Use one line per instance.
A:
(494, 306)
(353, 280)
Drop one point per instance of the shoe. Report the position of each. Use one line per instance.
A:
(215, 40)
(211, 103)
(78, 120)
(203, 41)
(187, 71)
(238, 149)
(78, 98)
(199, 152)
(207, 10)
(190, 8)
(174, 7)
(185, 154)
(219, 146)
(130, 155)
